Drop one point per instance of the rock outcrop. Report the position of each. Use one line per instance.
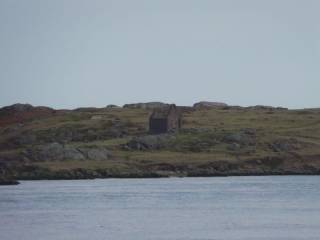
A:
(263, 107)
(245, 137)
(112, 106)
(285, 145)
(148, 105)
(149, 142)
(19, 113)
(66, 134)
(205, 104)
(95, 153)
(58, 152)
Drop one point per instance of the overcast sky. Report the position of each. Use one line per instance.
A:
(71, 53)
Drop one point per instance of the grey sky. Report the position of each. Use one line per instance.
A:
(70, 53)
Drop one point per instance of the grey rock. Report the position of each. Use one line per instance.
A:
(25, 139)
(96, 117)
(233, 138)
(149, 142)
(112, 106)
(58, 152)
(95, 153)
(51, 151)
(245, 137)
(98, 154)
(148, 105)
(205, 104)
(71, 153)
(270, 108)
(285, 145)
(18, 107)
(233, 147)
(249, 131)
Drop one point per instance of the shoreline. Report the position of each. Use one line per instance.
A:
(9, 182)
(125, 176)
(168, 176)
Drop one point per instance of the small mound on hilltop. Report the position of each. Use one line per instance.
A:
(205, 104)
(19, 113)
(147, 105)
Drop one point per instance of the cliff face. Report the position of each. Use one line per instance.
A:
(42, 143)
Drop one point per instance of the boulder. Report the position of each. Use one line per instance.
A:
(95, 153)
(96, 117)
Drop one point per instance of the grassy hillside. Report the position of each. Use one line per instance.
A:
(114, 142)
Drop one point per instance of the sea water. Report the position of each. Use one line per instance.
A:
(235, 208)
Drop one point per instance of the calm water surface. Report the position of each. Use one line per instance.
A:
(176, 208)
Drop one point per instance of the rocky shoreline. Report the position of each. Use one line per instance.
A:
(8, 182)
(88, 176)
(255, 167)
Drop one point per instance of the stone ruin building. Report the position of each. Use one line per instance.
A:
(164, 120)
